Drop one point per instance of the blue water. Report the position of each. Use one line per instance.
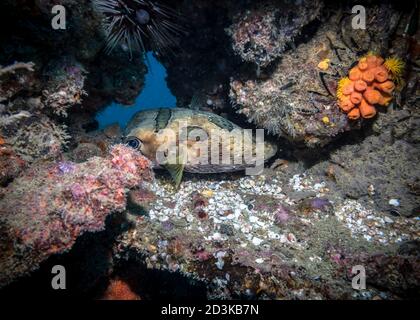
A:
(155, 94)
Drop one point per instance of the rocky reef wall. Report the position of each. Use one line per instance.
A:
(340, 191)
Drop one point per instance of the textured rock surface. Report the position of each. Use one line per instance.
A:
(294, 232)
(260, 33)
(380, 167)
(279, 235)
(44, 211)
(297, 98)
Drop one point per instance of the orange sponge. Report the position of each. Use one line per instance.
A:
(369, 83)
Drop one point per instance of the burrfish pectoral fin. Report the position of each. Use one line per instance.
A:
(176, 170)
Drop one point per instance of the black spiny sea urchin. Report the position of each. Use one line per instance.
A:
(139, 24)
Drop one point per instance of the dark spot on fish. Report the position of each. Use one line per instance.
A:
(221, 122)
(162, 118)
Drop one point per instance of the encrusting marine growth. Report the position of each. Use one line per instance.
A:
(51, 204)
(371, 82)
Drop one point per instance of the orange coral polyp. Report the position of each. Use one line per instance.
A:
(360, 85)
(363, 65)
(356, 97)
(367, 110)
(387, 87)
(346, 105)
(368, 76)
(385, 99)
(380, 60)
(354, 114)
(372, 96)
(381, 74)
(369, 84)
(372, 61)
(348, 88)
(355, 74)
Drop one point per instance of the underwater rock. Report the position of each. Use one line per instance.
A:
(86, 140)
(376, 166)
(113, 131)
(31, 24)
(261, 33)
(114, 78)
(39, 138)
(198, 75)
(25, 122)
(383, 162)
(399, 274)
(15, 78)
(51, 204)
(65, 85)
(85, 151)
(80, 47)
(10, 163)
(139, 200)
(297, 99)
(29, 134)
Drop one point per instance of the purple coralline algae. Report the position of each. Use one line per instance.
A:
(45, 209)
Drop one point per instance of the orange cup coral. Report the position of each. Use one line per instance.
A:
(371, 82)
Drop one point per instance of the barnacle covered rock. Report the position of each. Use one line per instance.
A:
(262, 33)
(370, 83)
(51, 204)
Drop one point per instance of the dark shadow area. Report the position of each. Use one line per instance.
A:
(152, 284)
(90, 267)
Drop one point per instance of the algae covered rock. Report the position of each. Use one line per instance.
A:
(262, 32)
(297, 97)
(47, 208)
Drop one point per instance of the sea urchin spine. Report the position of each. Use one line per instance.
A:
(130, 23)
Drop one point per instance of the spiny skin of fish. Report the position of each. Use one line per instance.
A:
(146, 126)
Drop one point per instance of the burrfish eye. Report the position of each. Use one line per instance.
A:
(133, 142)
